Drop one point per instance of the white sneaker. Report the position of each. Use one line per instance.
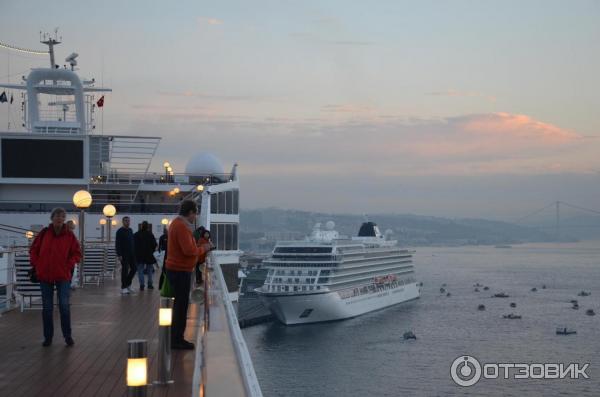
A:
(125, 291)
(131, 290)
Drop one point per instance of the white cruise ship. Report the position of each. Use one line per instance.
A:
(327, 277)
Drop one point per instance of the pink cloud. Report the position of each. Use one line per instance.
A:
(209, 21)
(516, 126)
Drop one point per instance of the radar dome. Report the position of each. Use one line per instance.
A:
(330, 225)
(204, 163)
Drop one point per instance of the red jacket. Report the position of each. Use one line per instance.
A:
(54, 255)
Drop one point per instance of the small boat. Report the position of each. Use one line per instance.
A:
(590, 312)
(448, 294)
(513, 304)
(575, 306)
(477, 285)
(565, 331)
(476, 289)
(534, 289)
(583, 293)
(544, 286)
(481, 307)
(500, 295)
(443, 285)
(486, 288)
(574, 301)
(409, 335)
(512, 316)
(442, 290)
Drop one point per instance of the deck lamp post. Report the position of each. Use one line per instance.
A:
(137, 368)
(166, 166)
(109, 211)
(102, 226)
(165, 318)
(29, 236)
(82, 200)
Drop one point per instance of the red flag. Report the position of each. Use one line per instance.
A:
(100, 102)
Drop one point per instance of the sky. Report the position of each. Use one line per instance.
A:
(447, 108)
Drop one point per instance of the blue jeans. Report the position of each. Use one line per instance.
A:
(149, 272)
(63, 289)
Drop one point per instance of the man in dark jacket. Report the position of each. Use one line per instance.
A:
(124, 245)
(145, 245)
(162, 247)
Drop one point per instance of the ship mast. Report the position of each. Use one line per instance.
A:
(51, 42)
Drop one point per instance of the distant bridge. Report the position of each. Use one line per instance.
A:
(560, 223)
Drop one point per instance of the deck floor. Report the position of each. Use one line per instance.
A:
(102, 321)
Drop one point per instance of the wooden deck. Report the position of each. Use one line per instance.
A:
(102, 322)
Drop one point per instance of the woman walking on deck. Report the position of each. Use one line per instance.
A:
(53, 255)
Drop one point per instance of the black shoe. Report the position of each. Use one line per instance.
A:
(47, 342)
(141, 287)
(182, 345)
(150, 286)
(69, 341)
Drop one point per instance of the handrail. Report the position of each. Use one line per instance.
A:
(246, 367)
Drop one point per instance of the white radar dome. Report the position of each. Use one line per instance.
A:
(204, 163)
(330, 225)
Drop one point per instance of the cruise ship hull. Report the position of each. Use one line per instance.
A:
(296, 309)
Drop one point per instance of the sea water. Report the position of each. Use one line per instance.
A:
(367, 355)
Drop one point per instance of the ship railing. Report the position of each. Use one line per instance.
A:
(157, 178)
(16, 290)
(14, 284)
(215, 287)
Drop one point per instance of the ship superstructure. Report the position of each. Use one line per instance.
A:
(60, 151)
(329, 277)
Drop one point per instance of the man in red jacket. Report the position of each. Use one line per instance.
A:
(53, 254)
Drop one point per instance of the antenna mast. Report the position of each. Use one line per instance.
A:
(51, 42)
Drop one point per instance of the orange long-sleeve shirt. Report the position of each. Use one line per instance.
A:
(183, 253)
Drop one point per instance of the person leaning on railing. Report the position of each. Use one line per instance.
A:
(53, 255)
(184, 253)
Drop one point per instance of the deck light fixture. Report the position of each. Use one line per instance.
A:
(164, 221)
(137, 367)
(109, 211)
(82, 199)
(102, 222)
(165, 316)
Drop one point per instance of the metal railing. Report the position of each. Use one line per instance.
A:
(157, 178)
(248, 374)
(7, 267)
(14, 291)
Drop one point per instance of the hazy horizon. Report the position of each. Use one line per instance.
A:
(455, 109)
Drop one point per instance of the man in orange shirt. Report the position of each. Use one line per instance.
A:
(184, 253)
